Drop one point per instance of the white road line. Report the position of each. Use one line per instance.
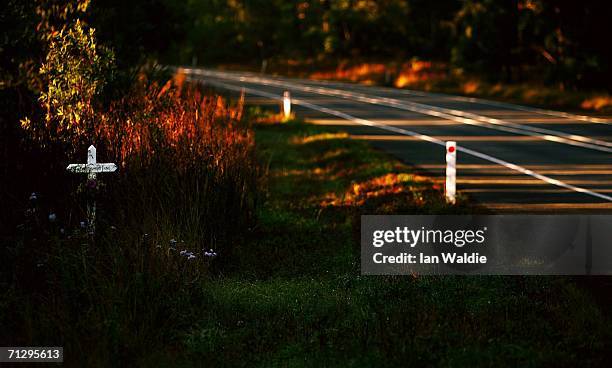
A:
(501, 122)
(511, 106)
(536, 110)
(454, 115)
(424, 137)
(548, 132)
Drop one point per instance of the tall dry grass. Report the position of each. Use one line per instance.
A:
(188, 162)
(187, 183)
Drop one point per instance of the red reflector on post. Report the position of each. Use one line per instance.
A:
(451, 171)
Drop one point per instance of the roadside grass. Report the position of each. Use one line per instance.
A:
(292, 293)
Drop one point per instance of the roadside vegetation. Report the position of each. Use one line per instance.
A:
(186, 190)
(293, 294)
(547, 53)
(226, 238)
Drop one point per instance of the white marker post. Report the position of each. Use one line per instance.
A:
(450, 188)
(91, 168)
(286, 105)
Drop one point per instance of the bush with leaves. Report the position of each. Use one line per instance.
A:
(74, 72)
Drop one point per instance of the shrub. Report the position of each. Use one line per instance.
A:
(73, 74)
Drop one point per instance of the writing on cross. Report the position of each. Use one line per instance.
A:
(92, 167)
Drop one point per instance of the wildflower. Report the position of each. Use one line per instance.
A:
(211, 254)
(62, 231)
(52, 217)
(33, 196)
(82, 224)
(187, 253)
(191, 256)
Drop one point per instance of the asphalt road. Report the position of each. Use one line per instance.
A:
(510, 157)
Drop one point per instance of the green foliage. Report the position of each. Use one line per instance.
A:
(75, 70)
(73, 73)
(483, 42)
(557, 42)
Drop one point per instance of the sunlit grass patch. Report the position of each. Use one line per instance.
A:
(409, 187)
(273, 116)
(319, 137)
(335, 171)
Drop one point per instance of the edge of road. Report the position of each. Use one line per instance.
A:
(449, 114)
(484, 101)
(360, 121)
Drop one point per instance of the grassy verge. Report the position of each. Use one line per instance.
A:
(292, 294)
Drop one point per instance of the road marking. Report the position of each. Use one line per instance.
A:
(559, 114)
(423, 137)
(412, 92)
(449, 114)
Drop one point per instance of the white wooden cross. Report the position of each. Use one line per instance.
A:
(91, 168)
